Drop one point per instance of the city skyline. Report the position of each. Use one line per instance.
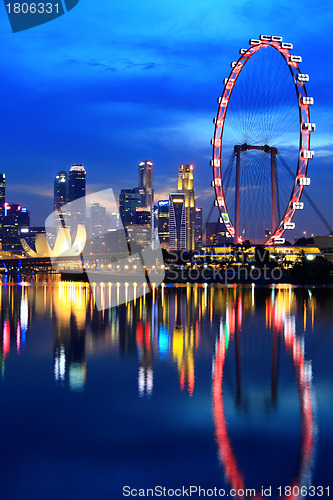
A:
(73, 107)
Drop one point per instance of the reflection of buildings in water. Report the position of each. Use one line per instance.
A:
(14, 319)
(70, 310)
(280, 322)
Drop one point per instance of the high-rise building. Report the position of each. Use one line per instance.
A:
(60, 190)
(129, 201)
(146, 183)
(77, 191)
(2, 203)
(2, 194)
(198, 227)
(97, 220)
(186, 186)
(177, 221)
(16, 222)
(163, 222)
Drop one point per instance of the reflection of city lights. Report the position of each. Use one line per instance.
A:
(77, 376)
(60, 364)
(163, 342)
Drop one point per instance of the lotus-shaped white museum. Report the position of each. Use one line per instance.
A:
(63, 246)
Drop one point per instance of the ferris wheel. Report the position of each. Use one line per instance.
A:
(261, 129)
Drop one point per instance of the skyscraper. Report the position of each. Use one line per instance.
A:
(186, 186)
(60, 190)
(2, 194)
(146, 183)
(163, 222)
(177, 221)
(16, 222)
(198, 227)
(2, 203)
(129, 201)
(77, 191)
(77, 182)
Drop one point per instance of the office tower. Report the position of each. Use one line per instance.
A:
(60, 190)
(146, 183)
(129, 201)
(77, 191)
(143, 216)
(2, 194)
(2, 203)
(177, 221)
(163, 223)
(97, 219)
(16, 223)
(198, 227)
(186, 186)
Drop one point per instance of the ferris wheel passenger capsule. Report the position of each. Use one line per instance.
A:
(242, 51)
(298, 205)
(265, 38)
(233, 64)
(302, 77)
(307, 153)
(308, 100)
(253, 41)
(297, 59)
(309, 126)
(288, 46)
(289, 225)
(225, 81)
(279, 241)
(304, 181)
(277, 38)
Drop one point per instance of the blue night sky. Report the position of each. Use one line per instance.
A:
(114, 82)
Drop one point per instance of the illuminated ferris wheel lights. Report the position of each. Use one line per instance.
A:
(309, 126)
(304, 154)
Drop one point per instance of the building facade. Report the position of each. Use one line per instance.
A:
(77, 193)
(61, 188)
(177, 221)
(163, 223)
(186, 186)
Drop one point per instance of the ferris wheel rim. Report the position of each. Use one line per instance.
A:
(304, 152)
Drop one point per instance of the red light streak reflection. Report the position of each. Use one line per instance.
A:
(303, 374)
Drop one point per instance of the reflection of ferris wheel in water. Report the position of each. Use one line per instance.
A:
(259, 125)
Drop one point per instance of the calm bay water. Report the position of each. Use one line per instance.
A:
(210, 386)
